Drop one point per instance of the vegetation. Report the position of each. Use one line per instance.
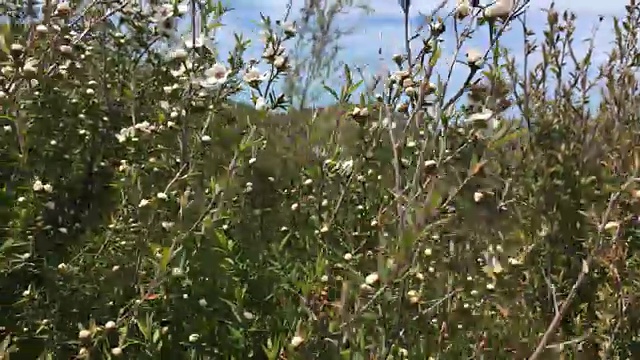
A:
(147, 213)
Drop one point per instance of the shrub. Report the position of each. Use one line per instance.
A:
(151, 214)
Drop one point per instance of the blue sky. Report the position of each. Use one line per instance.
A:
(384, 28)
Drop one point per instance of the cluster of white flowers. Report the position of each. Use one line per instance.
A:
(276, 56)
(131, 131)
(40, 186)
(343, 167)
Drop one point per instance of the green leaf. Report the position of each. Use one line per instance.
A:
(370, 316)
(434, 198)
(345, 354)
(284, 242)
(5, 31)
(144, 327)
(166, 256)
(347, 74)
(331, 91)
(436, 56)
(354, 87)
(499, 142)
(223, 240)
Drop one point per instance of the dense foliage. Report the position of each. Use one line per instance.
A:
(148, 214)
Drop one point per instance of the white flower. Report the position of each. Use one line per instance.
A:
(215, 75)
(166, 18)
(500, 9)
(295, 207)
(269, 52)
(348, 256)
(297, 341)
(475, 58)
(372, 278)
(167, 225)
(344, 167)
(428, 252)
(63, 230)
(261, 103)
(126, 133)
(514, 261)
(205, 138)
(462, 9)
(360, 112)
(478, 196)
(289, 29)
(400, 75)
(253, 76)
(143, 203)
(42, 29)
(143, 126)
(247, 315)
(29, 69)
(194, 337)
(16, 48)
(280, 62)
(38, 186)
(65, 49)
(63, 8)
(162, 196)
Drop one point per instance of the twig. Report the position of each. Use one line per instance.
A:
(558, 317)
(583, 275)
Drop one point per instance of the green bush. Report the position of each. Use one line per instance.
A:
(148, 214)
